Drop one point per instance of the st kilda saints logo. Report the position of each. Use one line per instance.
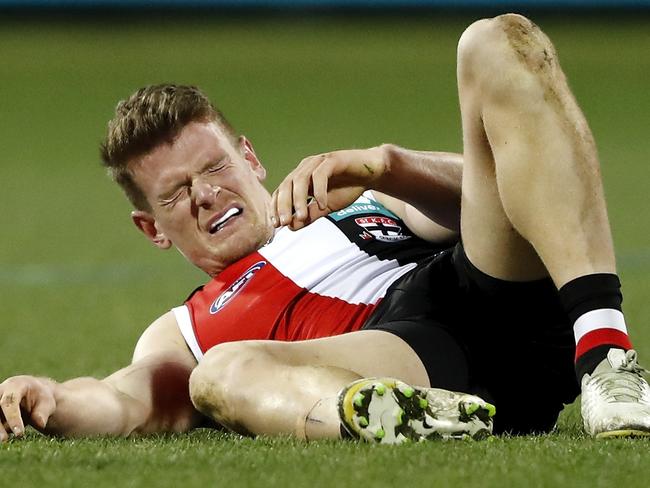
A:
(239, 284)
(383, 229)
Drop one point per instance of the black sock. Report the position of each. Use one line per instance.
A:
(593, 304)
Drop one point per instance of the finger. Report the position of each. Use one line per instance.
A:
(10, 404)
(320, 183)
(274, 214)
(300, 195)
(4, 437)
(42, 411)
(3, 426)
(315, 212)
(284, 202)
(298, 223)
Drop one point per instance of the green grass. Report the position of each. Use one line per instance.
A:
(208, 458)
(78, 284)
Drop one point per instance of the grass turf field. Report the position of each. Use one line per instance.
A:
(78, 284)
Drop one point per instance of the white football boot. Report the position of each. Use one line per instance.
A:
(616, 397)
(388, 411)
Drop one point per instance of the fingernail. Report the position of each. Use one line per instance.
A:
(283, 219)
(17, 430)
(274, 220)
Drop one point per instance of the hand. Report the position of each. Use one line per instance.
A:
(27, 395)
(334, 180)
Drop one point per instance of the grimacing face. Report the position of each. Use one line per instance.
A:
(206, 197)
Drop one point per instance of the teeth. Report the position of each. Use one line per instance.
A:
(219, 223)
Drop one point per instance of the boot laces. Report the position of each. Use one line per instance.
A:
(624, 383)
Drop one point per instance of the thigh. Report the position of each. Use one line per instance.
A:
(490, 240)
(368, 353)
(442, 354)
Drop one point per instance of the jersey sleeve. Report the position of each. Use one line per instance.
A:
(184, 321)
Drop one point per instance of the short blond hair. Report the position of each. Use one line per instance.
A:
(151, 116)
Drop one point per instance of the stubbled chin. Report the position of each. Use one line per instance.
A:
(232, 247)
(214, 266)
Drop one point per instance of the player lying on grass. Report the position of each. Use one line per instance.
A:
(372, 287)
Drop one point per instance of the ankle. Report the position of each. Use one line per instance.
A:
(593, 304)
(322, 421)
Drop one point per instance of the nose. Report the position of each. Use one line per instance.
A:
(203, 193)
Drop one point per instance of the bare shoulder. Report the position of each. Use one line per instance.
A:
(163, 337)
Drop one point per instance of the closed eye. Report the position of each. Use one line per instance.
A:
(175, 197)
(215, 168)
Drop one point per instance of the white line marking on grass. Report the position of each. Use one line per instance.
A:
(77, 273)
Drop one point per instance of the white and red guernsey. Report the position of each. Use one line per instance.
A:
(320, 281)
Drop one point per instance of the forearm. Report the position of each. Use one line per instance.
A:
(429, 181)
(90, 407)
(149, 395)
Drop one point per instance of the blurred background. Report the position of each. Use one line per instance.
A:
(78, 284)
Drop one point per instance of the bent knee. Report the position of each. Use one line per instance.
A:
(213, 380)
(488, 35)
(490, 47)
(216, 383)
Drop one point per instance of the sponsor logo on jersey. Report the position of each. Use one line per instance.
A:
(383, 229)
(239, 284)
(361, 206)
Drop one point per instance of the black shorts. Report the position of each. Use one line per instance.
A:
(509, 342)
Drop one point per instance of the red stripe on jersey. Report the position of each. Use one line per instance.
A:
(264, 304)
(601, 337)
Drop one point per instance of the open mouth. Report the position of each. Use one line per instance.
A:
(220, 223)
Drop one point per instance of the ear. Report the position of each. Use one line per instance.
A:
(247, 150)
(147, 225)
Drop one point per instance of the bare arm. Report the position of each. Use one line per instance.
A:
(150, 395)
(422, 188)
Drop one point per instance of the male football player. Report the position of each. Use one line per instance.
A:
(369, 290)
